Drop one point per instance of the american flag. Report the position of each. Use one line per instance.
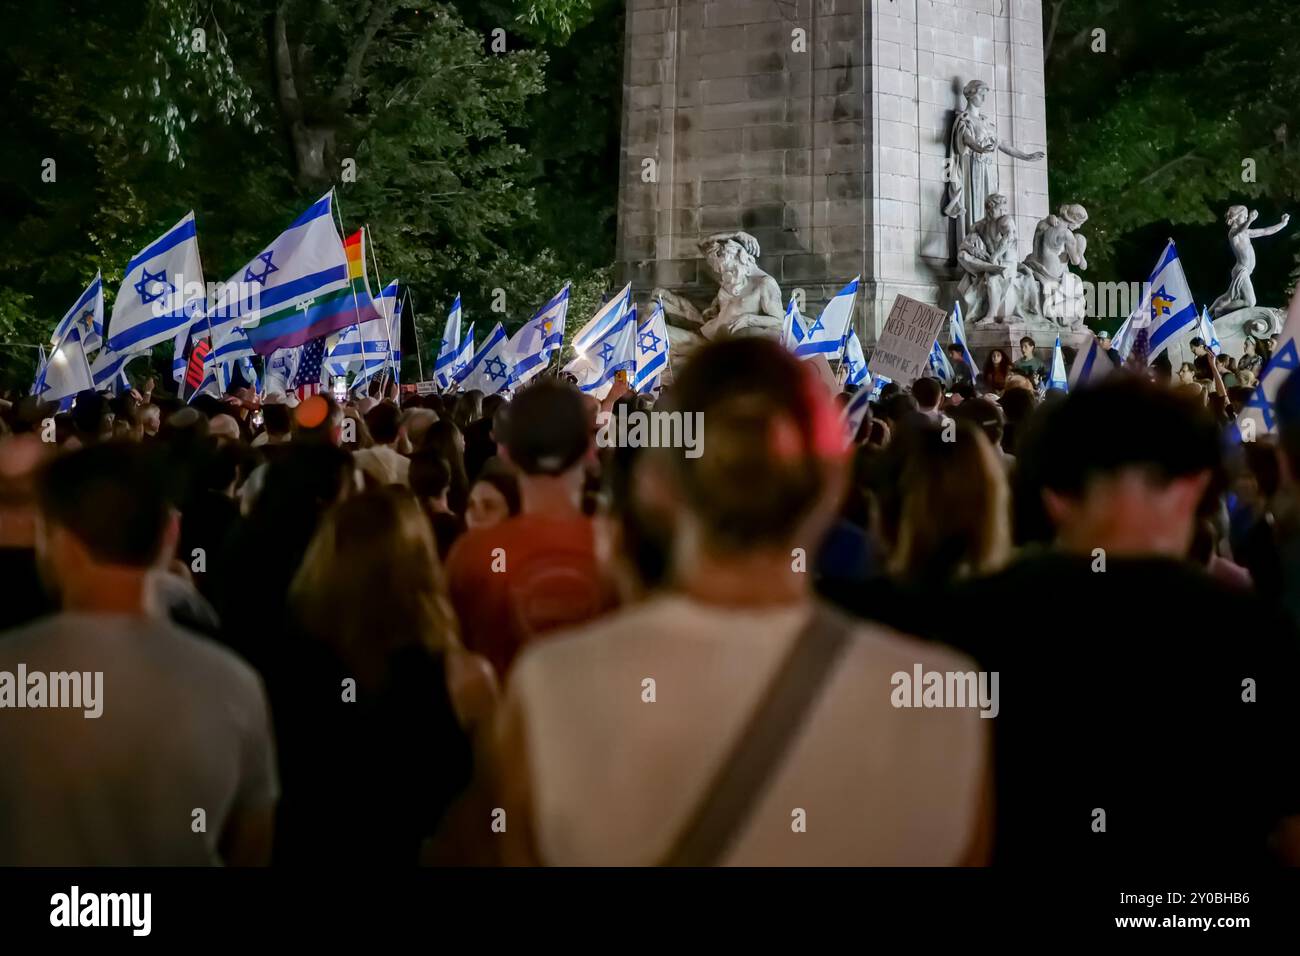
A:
(306, 380)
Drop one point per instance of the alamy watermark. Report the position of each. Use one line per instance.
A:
(631, 428)
(76, 690)
(923, 688)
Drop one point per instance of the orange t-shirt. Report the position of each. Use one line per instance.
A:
(528, 575)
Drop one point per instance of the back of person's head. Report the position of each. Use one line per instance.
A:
(1124, 449)
(277, 419)
(430, 475)
(772, 457)
(955, 517)
(888, 389)
(469, 408)
(546, 429)
(897, 406)
(384, 422)
(986, 415)
(370, 582)
(416, 421)
(112, 498)
(928, 393)
(318, 420)
(88, 413)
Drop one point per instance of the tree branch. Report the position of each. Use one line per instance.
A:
(1167, 166)
(285, 87)
(380, 11)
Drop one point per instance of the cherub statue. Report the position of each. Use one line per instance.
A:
(1241, 293)
(748, 300)
(993, 286)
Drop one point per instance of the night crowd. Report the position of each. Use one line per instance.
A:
(453, 629)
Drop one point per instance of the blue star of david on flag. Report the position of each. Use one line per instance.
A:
(494, 368)
(261, 277)
(606, 350)
(148, 278)
(816, 327)
(649, 342)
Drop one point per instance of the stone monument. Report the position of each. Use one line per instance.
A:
(825, 131)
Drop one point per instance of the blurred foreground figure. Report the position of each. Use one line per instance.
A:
(1149, 711)
(161, 752)
(735, 720)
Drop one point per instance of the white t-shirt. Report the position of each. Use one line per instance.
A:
(184, 726)
(614, 778)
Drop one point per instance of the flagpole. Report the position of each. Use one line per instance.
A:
(356, 306)
(388, 320)
(419, 360)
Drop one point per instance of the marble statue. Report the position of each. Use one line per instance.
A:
(748, 300)
(1057, 294)
(973, 150)
(1241, 293)
(993, 288)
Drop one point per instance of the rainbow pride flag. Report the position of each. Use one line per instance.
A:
(352, 305)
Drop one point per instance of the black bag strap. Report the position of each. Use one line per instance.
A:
(755, 756)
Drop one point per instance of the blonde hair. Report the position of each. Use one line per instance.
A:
(371, 583)
(956, 514)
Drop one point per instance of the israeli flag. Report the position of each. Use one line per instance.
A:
(448, 347)
(957, 335)
(1206, 332)
(41, 361)
(827, 335)
(65, 373)
(1057, 377)
(1089, 366)
(1168, 302)
(162, 291)
(1257, 417)
(538, 339)
(464, 355)
(374, 347)
(87, 313)
(305, 261)
(1124, 337)
(209, 385)
(390, 304)
(855, 361)
(651, 350)
(855, 412)
(279, 370)
(233, 348)
(612, 314)
(613, 352)
(792, 332)
(939, 364)
(345, 355)
(489, 369)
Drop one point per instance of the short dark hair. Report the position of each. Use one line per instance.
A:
(928, 392)
(110, 497)
(1026, 340)
(384, 422)
(1117, 425)
(546, 428)
(430, 474)
(277, 419)
(1197, 342)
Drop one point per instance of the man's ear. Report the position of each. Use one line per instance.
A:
(1061, 509)
(1190, 489)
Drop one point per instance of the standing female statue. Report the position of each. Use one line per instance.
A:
(973, 160)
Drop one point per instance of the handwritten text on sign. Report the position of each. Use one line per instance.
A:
(903, 351)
